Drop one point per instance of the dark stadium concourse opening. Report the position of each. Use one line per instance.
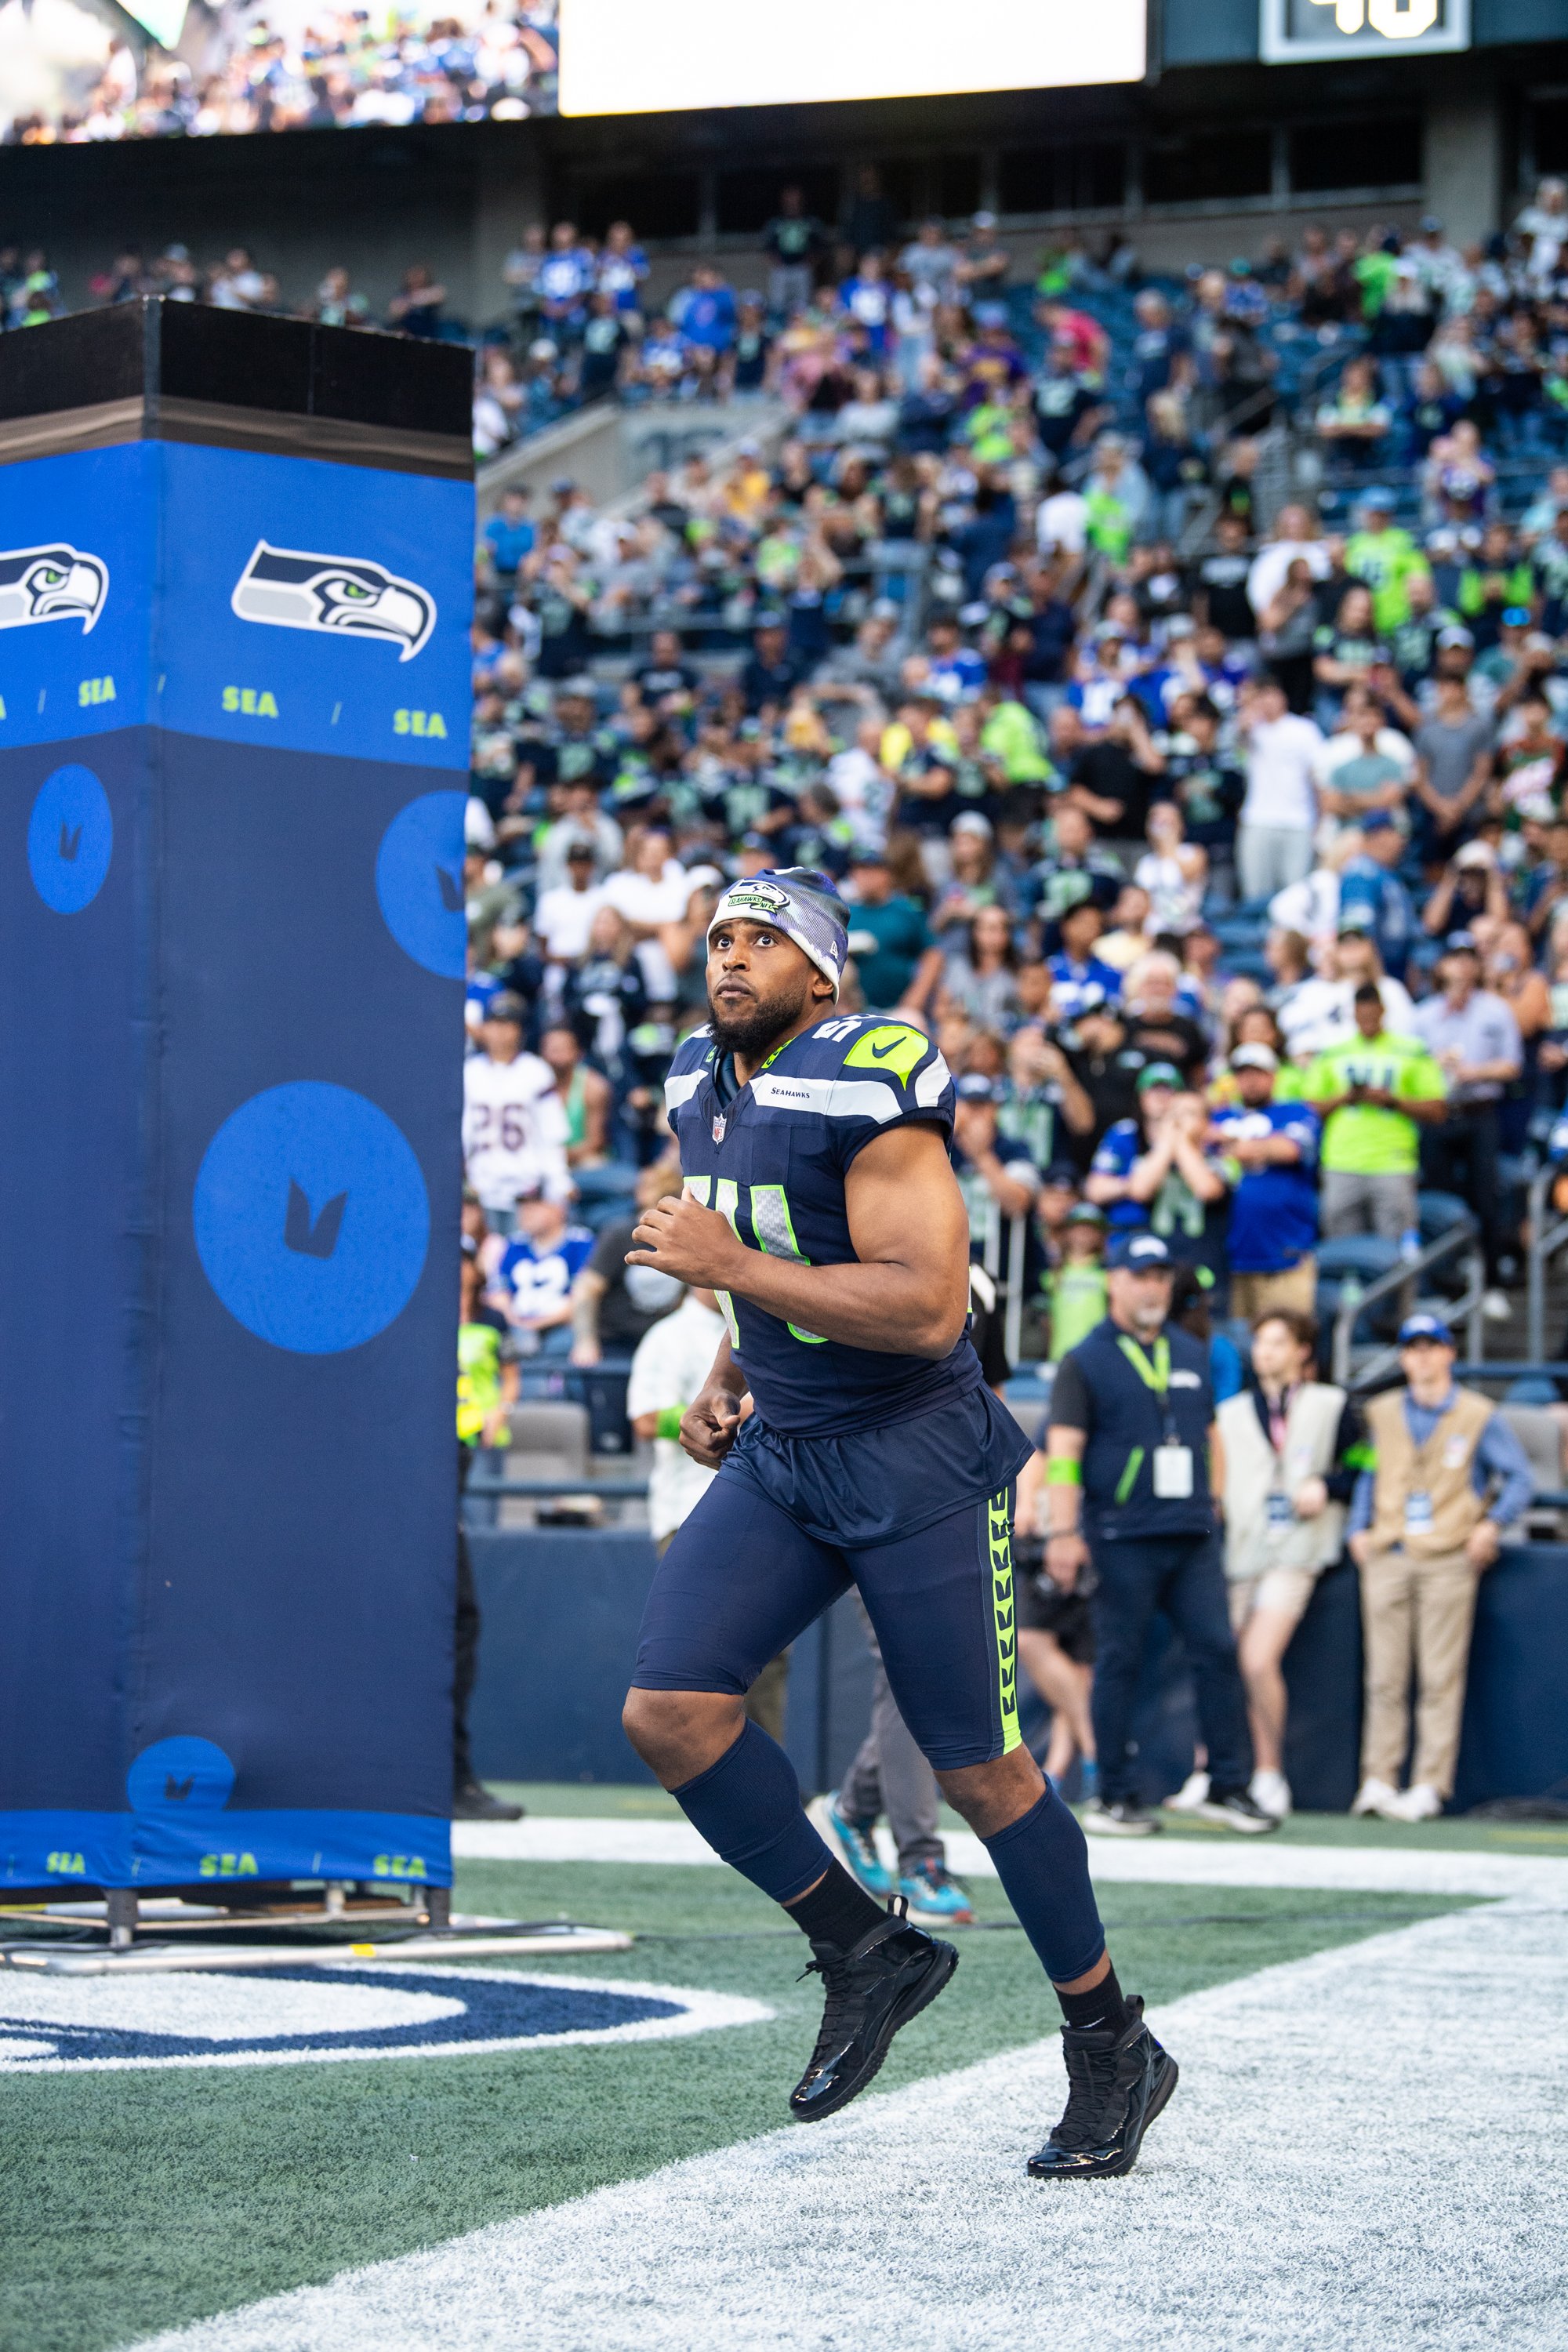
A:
(1359, 153)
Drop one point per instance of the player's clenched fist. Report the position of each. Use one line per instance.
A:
(681, 1238)
(707, 1426)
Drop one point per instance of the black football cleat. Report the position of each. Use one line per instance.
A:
(1117, 2084)
(875, 1987)
(472, 1802)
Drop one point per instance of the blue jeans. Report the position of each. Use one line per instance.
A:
(1184, 1575)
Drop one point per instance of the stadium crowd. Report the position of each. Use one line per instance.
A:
(1128, 767)
(1174, 681)
(282, 68)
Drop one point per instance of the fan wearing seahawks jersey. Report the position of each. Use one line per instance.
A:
(855, 1443)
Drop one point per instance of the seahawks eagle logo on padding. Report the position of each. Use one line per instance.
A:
(340, 595)
(51, 583)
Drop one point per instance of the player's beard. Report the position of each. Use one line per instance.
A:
(754, 1032)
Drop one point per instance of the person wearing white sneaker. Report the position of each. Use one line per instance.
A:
(1378, 1797)
(1293, 1448)
(1426, 1521)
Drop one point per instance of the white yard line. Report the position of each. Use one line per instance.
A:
(1365, 2155)
(1218, 1860)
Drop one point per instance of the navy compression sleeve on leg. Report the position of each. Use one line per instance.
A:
(1042, 1859)
(748, 1808)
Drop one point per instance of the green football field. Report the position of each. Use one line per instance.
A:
(136, 2201)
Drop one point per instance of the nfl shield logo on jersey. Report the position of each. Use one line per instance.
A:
(718, 1125)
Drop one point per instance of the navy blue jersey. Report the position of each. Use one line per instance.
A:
(774, 1162)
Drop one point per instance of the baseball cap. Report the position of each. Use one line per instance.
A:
(1460, 944)
(1356, 922)
(508, 1006)
(577, 850)
(1416, 1327)
(1140, 1254)
(1455, 635)
(1255, 1057)
(1161, 1074)
(1384, 821)
(1379, 498)
(1061, 1176)
(1086, 1213)
(975, 1086)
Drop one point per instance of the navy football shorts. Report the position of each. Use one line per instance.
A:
(743, 1579)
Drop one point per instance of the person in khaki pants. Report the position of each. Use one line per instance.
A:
(1425, 1524)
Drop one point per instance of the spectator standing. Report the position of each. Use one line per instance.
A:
(1454, 765)
(509, 536)
(614, 1306)
(1270, 1154)
(898, 961)
(1292, 1454)
(514, 1129)
(1448, 1477)
(1373, 1095)
(1274, 844)
(793, 241)
(890, 1775)
(1157, 1173)
(1473, 1037)
(486, 1387)
(563, 917)
(1131, 1438)
(538, 1268)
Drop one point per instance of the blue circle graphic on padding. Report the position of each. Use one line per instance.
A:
(419, 882)
(70, 840)
(180, 1776)
(311, 1217)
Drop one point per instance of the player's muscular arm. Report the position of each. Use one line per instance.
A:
(905, 1293)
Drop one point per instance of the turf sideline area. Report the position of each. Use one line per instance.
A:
(1183, 1859)
(1364, 2154)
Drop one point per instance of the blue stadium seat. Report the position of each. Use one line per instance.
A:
(1438, 1212)
(1366, 1256)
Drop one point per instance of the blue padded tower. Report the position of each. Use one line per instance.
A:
(236, 563)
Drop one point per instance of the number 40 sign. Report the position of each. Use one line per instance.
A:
(1293, 31)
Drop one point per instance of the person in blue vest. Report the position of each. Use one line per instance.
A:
(856, 1444)
(1132, 1447)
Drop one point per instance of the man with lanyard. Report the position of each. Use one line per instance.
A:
(855, 1443)
(1132, 1445)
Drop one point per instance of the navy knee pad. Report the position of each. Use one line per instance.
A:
(1042, 1859)
(748, 1808)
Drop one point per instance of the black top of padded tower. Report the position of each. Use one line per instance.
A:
(180, 371)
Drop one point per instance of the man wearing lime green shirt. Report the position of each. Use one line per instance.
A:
(1374, 1094)
(1385, 559)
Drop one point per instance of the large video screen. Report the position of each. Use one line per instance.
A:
(75, 71)
(632, 56)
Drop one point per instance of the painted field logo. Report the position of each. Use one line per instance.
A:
(336, 596)
(51, 583)
(300, 2016)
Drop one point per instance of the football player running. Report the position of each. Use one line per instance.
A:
(856, 1443)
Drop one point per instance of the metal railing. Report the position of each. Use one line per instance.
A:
(1545, 1242)
(1467, 1306)
(1009, 1287)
